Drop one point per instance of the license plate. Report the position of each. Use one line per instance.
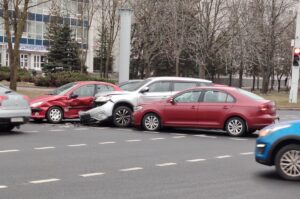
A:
(17, 119)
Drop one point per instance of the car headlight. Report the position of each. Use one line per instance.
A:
(267, 131)
(36, 104)
(103, 99)
(137, 108)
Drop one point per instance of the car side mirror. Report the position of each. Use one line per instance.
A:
(171, 100)
(144, 90)
(73, 96)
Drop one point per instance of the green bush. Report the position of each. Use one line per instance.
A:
(23, 75)
(61, 78)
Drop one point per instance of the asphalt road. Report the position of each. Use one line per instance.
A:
(67, 161)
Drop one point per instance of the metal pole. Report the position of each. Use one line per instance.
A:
(295, 69)
(125, 30)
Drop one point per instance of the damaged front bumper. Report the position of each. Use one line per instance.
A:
(97, 114)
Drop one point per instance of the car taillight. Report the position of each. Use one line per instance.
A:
(2, 98)
(264, 107)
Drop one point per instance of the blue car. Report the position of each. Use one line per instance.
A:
(279, 145)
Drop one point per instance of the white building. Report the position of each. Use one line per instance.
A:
(34, 44)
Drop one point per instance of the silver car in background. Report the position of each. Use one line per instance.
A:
(14, 109)
(119, 105)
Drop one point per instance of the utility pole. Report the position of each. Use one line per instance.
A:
(125, 30)
(295, 65)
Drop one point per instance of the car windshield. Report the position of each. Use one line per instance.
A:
(130, 86)
(140, 84)
(249, 94)
(63, 89)
(4, 90)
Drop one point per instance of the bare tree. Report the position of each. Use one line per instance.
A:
(15, 16)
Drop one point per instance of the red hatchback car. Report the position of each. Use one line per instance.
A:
(231, 109)
(67, 100)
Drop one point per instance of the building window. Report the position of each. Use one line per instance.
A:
(24, 61)
(37, 61)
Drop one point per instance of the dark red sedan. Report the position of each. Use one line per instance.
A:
(231, 109)
(67, 100)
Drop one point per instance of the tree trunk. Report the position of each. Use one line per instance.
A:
(253, 83)
(241, 72)
(230, 78)
(177, 64)
(257, 83)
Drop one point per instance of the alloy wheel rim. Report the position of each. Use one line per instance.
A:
(55, 115)
(235, 127)
(151, 122)
(290, 163)
(123, 117)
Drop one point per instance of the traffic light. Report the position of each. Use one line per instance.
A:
(296, 57)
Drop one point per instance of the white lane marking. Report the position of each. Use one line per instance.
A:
(56, 130)
(81, 129)
(91, 174)
(44, 181)
(205, 136)
(238, 139)
(179, 134)
(3, 186)
(158, 138)
(44, 148)
(76, 145)
(154, 132)
(133, 140)
(178, 137)
(223, 156)
(247, 153)
(9, 151)
(132, 169)
(107, 142)
(166, 164)
(31, 131)
(196, 160)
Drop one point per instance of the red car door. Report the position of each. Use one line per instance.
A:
(81, 99)
(182, 110)
(214, 108)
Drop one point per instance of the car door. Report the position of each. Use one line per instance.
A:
(81, 99)
(157, 91)
(183, 110)
(214, 107)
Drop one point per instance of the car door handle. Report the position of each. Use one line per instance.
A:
(225, 107)
(193, 107)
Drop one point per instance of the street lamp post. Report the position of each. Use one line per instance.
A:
(125, 30)
(295, 69)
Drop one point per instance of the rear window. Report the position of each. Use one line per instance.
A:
(249, 94)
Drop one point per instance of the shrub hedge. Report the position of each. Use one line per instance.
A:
(23, 75)
(61, 78)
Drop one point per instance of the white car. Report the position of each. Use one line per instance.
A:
(119, 105)
(14, 109)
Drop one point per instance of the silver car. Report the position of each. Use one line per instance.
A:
(14, 109)
(119, 105)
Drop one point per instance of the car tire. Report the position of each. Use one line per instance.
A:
(55, 115)
(8, 128)
(122, 116)
(151, 122)
(287, 162)
(235, 127)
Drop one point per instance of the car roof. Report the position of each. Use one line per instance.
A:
(92, 82)
(180, 79)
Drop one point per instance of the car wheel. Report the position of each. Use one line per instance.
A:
(55, 115)
(7, 128)
(287, 162)
(235, 126)
(122, 116)
(151, 122)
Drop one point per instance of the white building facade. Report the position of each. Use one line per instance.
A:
(34, 43)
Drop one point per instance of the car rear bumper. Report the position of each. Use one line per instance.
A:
(17, 117)
(262, 121)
